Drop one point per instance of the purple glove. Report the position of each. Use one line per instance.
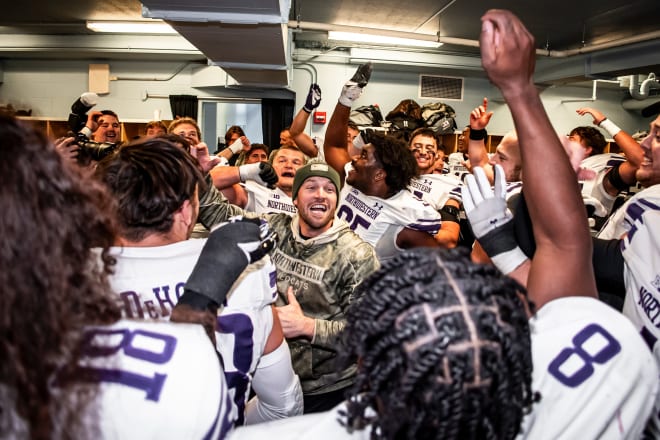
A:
(313, 98)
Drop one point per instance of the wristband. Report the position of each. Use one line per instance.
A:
(477, 135)
(501, 246)
(237, 146)
(609, 127)
(86, 131)
(615, 178)
(450, 213)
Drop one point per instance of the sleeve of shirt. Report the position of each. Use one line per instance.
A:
(214, 207)
(361, 263)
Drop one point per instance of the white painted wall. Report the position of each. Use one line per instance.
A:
(388, 88)
(49, 87)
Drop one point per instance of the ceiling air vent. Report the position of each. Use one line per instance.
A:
(441, 87)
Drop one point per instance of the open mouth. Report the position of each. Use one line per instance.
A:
(318, 208)
(289, 174)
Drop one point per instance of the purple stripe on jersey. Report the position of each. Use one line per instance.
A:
(431, 226)
(613, 161)
(221, 417)
(636, 209)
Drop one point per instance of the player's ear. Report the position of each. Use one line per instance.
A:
(186, 213)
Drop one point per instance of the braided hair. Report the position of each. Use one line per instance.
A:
(443, 348)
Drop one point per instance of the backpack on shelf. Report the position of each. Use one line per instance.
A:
(367, 116)
(439, 117)
(407, 115)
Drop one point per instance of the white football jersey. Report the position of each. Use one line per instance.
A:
(622, 220)
(600, 164)
(156, 380)
(641, 253)
(263, 200)
(596, 377)
(378, 221)
(436, 189)
(317, 426)
(150, 280)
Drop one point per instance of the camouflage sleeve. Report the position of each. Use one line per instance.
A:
(214, 207)
(361, 262)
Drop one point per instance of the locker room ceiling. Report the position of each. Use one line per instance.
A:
(46, 28)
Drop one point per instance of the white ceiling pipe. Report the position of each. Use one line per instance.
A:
(312, 26)
(638, 91)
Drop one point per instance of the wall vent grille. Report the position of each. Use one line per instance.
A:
(441, 87)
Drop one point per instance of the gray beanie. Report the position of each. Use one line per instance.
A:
(314, 168)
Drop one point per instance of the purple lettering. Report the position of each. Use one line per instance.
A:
(127, 298)
(165, 299)
(151, 309)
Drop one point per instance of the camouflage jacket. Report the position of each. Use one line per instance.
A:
(323, 271)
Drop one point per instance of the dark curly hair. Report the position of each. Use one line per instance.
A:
(443, 349)
(50, 285)
(591, 138)
(396, 159)
(150, 179)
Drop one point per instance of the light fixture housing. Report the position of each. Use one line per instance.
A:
(131, 27)
(360, 37)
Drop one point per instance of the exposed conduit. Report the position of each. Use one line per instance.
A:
(593, 91)
(312, 26)
(146, 96)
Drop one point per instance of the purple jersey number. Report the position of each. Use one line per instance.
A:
(353, 220)
(238, 380)
(605, 353)
(103, 343)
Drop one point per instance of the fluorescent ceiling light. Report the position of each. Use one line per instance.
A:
(131, 27)
(380, 39)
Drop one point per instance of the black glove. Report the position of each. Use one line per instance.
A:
(313, 98)
(227, 252)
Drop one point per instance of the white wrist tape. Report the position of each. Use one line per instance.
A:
(609, 127)
(508, 261)
(86, 131)
(237, 146)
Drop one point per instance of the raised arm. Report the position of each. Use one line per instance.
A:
(631, 149)
(550, 185)
(297, 129)
(335, 147)
(477, 153)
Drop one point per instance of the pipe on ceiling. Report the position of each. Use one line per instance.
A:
(641, 91)
(312, 26)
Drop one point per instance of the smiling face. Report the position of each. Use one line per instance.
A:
(425, 150)
(507, 155)
(187, 131)
(108, 130)
(316, 203)
(463, 140)
(285, 163)
(256, 155)
(365, 166)
(649, 171)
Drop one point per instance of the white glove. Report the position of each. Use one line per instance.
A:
(353, 87)
(491, 220)
(261, 172)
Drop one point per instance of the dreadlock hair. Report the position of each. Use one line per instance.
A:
(396, 159)
(591, 138)
(150, 179)
(443, 349)
(50, 286)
